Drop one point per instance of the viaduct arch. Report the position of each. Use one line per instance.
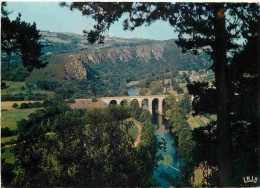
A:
(129, 99)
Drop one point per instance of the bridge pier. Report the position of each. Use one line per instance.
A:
(140, 102)
(150, 105)
(160, 106)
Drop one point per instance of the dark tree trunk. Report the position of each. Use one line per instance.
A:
(223, 124)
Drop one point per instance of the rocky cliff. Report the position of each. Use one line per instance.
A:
(137, 56)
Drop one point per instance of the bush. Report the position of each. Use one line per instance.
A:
(10, 142)
(5, 132)
(47, 85)
(31, 105)
(180, 91)
(94, 99)
(71, 101)
(15, 105)
(3, 85)
(24, 105)
(145, 116)
(23, 97)
(17, 97)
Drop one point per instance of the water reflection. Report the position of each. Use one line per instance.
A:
(167, 176)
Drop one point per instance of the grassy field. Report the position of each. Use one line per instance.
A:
(10, 117)
(15, 87)
(133, 131)
(8, 105)
(8, 155)
(6, 139)
(183, 86)
(196, 121)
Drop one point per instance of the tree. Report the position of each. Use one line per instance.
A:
(85, 148)
(94, 99)
(21, 39)
(213, 27)
(185, 103)
(15, 105)
(5, 132)
(7, 173)
(146, 116)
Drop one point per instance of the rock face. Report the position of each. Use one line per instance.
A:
(141, 53)
(74, 68)
(126, 56)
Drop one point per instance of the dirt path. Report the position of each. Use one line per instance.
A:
(204, 120)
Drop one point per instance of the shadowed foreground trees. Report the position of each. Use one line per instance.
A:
(61, 147)
(21, 39)
(210, 27)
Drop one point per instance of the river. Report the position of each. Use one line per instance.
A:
(165, 176)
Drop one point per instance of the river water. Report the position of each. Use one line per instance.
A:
(165, 176)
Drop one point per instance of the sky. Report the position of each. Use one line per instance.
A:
(50, 16)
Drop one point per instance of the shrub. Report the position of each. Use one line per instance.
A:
(31, 105)
(24, 105)
(180, 91)
(145, 116)
(71, 101)
(47, 85)
(94, 99)
(3, 85)
(5, 132)
(15, 105)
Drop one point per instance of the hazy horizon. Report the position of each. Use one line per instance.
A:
(54, 18)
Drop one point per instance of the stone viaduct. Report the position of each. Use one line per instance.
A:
(140, 99)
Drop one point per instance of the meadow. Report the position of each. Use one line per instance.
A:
(10, 115)
(15, 87)
(197, 121)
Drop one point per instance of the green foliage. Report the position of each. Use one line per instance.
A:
(214, 28)
(145, 116)
(22, 39)
(47, 85)
(30, 105)
(17, 73)
(8, 155)
(169, 102)
(177, 112)
(7, 174)
(106, 78)
(132, 129)
(15, 105)
(3, 85)
(94, 99)
(185, 104)
(156, 88)
(146, 157)
(85, 148)
(10, 117)
(24, 97)
(5, 132)
(176, 87)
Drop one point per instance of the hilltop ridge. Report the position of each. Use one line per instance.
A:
(72, 57)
